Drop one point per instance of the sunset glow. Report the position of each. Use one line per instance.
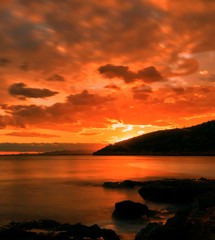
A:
(98, 72)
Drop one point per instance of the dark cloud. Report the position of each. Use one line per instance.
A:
(56, 77)
(194, 22)
(24, 66)
(42, 28)
(149, 74)
(140, 96)
(142, 89)
(20, 90)
(141, 92)
(86, 98)
(30, 134)
(4, 61)
(112, 71)
(178, 90)
(137, 30)
(112, 86)
(85, 107)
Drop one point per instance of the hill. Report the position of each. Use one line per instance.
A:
(195, 140)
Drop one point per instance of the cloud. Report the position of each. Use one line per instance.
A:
(145, 42)
(112, 71)
(56, 77)
(182, 67)
(82, 107)
(86, 98)
(141, 92)
(137, 30)
(149, 74)
(89, 132)
(206, 76)
(194, 22)
(31, 134)
(24, 66)
(142, 88)
(112, 86)
(4, 61)
(20, 90)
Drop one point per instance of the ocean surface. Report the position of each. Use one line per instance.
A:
(69, 188)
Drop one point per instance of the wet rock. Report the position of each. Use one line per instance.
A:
(129, 210)
(56, 231)
(175, 190)
(124, 184)
(185, 225)
(153, 231)
(40, 224)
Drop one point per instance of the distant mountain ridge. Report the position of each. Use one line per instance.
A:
(195, 140)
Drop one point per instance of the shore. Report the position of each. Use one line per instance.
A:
(194, 221)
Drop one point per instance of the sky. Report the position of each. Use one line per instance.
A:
(91, 71)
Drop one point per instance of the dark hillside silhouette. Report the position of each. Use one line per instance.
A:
(195, 140)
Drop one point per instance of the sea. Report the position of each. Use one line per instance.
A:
(69, 189)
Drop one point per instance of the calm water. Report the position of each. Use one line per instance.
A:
(68, 188)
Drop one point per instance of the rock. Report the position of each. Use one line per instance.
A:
(56, 231)
(129, 210)
(124, 184)
(40, 224)
(16, 234)
(175, 190)
(153, 231)
(185, 225)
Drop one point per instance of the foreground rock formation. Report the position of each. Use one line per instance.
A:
(168, 190)
(175, 190)
(52, 230)
(196, 223)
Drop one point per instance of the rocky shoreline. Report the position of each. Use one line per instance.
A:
(52, 230)
(195, 221)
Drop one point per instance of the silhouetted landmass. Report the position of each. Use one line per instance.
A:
(54, 153)
(196, 140)
(66, 152)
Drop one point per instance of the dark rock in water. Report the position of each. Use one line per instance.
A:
(175, 190)
(130, 210)
(124, 184)
(55, 231)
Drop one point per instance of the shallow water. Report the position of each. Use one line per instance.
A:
(69, 188)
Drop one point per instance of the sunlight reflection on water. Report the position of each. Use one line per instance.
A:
(69, 188)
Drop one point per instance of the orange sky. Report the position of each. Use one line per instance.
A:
(77, 71)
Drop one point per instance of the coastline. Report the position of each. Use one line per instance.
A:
(193, 214)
